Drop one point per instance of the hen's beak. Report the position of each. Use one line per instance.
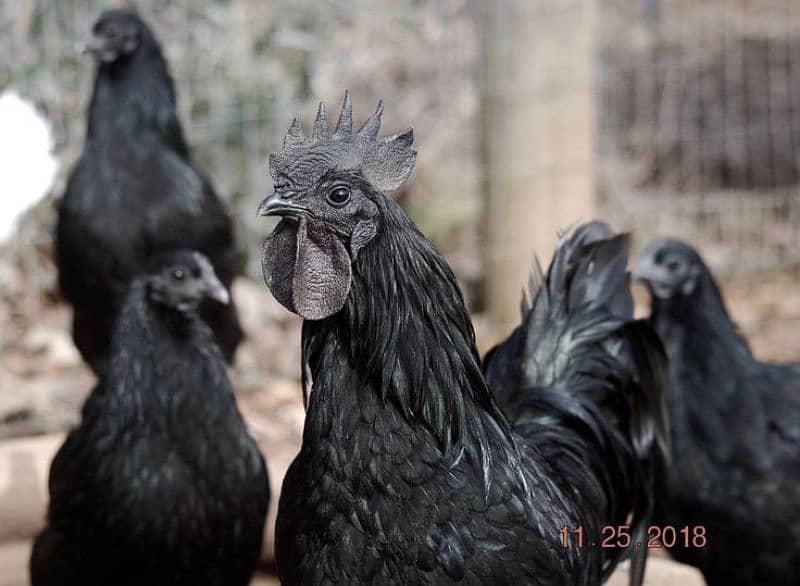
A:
(647, 271)
(275, 205)
(216, 290)
(93, 45)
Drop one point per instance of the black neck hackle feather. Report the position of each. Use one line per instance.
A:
(700, 315)
(402, 290)
(168, 332)
(408, 335)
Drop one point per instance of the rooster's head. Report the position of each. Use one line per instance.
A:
(328, 190)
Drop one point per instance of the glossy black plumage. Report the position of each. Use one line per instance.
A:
(409, 472)
(160, 484)
(735, 430)
(583, 382)
(134, 192)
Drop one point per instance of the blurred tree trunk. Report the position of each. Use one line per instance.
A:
(537, 135)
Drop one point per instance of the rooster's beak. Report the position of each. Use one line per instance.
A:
(275, 205)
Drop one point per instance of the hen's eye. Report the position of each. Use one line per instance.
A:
(178, 274)
(673, 265)
(339, 196)
(281, 187)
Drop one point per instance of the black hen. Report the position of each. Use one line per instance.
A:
(735, 430)
(134, 192)
(409, 472)
(160, 484)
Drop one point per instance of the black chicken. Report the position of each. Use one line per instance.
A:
(134, 192)
(160, 484)
(735, 430)
(409, 472)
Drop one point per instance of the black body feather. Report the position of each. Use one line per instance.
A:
(160, 484)
(135, 193)
(584, 383)
(410, 472)
(735, 434)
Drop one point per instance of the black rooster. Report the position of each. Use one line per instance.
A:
(735, 430)
(134, 192)
(409, 472)
(160, 484)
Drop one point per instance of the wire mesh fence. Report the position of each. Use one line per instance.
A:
(243, 69)
(697, 104)
(699, 125)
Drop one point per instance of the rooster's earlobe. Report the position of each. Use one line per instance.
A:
(364, 231)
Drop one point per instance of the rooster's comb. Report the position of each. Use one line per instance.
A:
(385, 162)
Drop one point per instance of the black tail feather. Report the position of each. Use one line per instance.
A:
(651, 361)
(583, 381)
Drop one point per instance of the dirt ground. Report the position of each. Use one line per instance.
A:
(43, 383)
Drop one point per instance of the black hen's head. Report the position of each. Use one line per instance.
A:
(117, 35)
(329, 191)
(670, 269)
(181, 279)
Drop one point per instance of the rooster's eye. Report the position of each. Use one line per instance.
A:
(178, 274)
(339, 196)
